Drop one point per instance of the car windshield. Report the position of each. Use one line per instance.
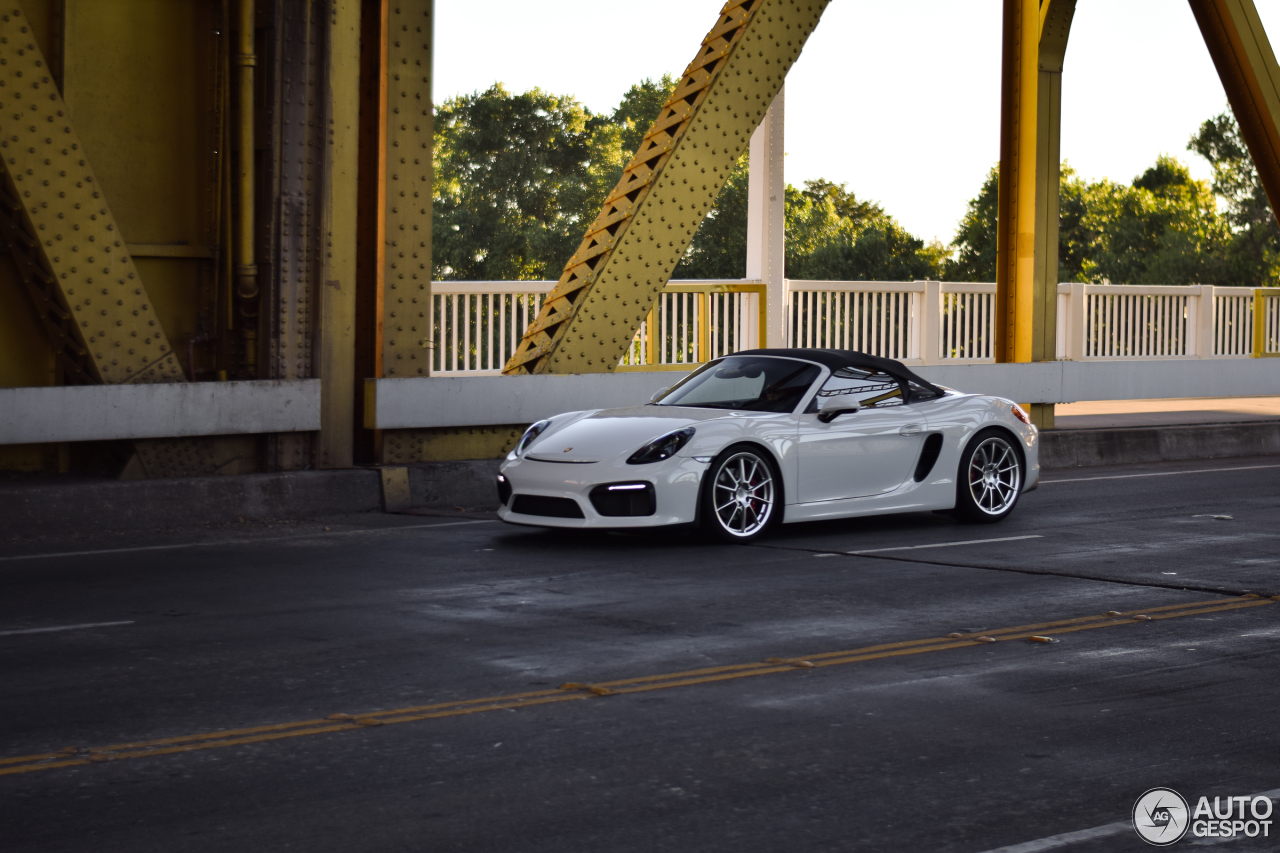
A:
(752, 383)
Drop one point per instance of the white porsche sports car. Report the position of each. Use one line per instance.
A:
(775, 436)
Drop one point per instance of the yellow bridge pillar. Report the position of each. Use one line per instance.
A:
(1034, 45)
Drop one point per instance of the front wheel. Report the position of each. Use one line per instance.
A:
(990, 478)
(741, 496)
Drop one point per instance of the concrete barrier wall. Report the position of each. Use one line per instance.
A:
(85, 413)
(484, 400)
(100, 412)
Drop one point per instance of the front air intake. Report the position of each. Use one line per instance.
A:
(549, 507)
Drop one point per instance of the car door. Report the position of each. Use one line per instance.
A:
(864, 453)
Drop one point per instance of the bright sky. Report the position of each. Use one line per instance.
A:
(900, 101)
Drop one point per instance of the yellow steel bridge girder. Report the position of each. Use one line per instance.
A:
(67, 247)
(1247, 66)
(612, 282)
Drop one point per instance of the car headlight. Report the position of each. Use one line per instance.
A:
(530, 435)
(662, 448)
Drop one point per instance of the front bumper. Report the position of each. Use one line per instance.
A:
(676, 482)
(1031, 449)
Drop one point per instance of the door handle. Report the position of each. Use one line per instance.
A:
(911, 429)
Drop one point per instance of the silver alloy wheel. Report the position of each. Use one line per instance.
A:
(743, 494)
(994, 476)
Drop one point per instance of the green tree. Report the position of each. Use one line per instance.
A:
(1253, 255)
(975, 240)
(833, 236)
(639, 110)
(1163, 228)
(518, 178)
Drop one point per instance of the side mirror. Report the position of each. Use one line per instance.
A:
(658, 394)
(830, 408)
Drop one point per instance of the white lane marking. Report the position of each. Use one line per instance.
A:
(948, 544)
(64, 628)
(1066, 839)
(242, 541)
(1158, 474)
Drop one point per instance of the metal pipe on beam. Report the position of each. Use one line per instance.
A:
(246, 270)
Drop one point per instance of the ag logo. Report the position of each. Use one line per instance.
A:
(1160, 816)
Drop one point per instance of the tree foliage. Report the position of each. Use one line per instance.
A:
(1253, 254)
(1164, 227)
(520, 176)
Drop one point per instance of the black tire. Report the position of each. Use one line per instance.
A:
(741, 495)
(989, 480)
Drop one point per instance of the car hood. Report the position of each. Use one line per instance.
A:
(613, 432)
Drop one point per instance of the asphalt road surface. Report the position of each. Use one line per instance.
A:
(402, 683)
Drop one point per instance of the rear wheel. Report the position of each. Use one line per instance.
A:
(990, 478)
(742, 495)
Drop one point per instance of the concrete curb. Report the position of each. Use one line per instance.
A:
(57, 508)
(81, 507)
(1088, 447)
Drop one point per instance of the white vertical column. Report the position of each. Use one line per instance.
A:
(1078, 324)
(928, 324)
(1205, 323)
(766, 218)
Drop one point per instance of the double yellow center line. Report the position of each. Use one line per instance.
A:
(574, 691)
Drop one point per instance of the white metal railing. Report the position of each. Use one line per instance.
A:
(876, 317)
(1110, 322)
(923, 322)
(477, 325)
(966, 322)
(1233, 311)
(1146, 322)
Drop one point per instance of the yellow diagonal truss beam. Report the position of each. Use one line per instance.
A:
(612, 282)
(1247, 66)
(66, 244)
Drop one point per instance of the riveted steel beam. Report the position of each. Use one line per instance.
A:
(407, 321)
(1247, 66)
(629, 252)
(335, 340)
(69, 250)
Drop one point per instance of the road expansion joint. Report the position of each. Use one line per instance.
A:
(1026, 570)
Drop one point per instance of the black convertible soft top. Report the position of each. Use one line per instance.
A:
(838, 358)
